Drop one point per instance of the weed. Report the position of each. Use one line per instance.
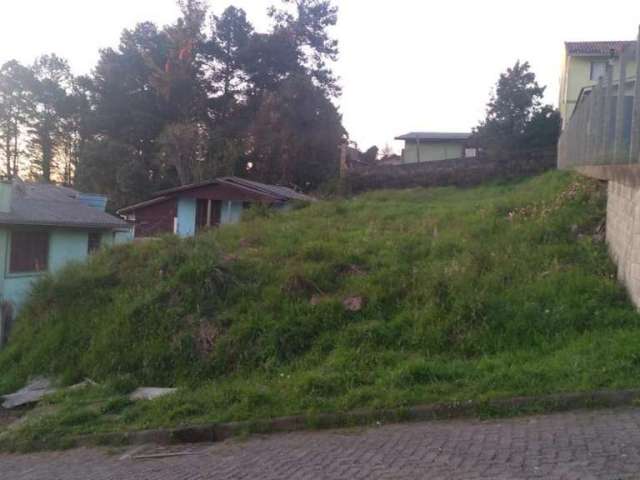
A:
(479, 293)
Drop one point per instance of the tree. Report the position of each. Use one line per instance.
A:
(294, 137)
(52, 83)
(76, 129)
(295, 128)
(227, 50)
(191, 101)
(184, 146)
(306, 24)
(127, 116)
(543, 129)
(15, 112)
(178, 78)
(387, 151)
(371, 155)
(515, 115)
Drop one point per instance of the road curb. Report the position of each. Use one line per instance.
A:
(218, 432)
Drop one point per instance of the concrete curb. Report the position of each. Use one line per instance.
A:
(218, 432)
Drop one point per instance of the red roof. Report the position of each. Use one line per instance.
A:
(597, 48)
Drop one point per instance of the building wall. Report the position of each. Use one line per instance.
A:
(430, 152)
(64, 246)
(119, 237)
(156, 219)
(186, 226)
(576, 77)
(623, 234)
(231, 212)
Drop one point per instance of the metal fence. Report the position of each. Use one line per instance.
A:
(605, 126)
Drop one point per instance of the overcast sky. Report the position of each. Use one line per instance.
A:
(405, 65)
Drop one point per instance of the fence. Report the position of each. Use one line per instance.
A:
(605, 126)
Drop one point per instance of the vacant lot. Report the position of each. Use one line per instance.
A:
(391, 298)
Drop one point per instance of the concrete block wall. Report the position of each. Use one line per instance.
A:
(623, 233)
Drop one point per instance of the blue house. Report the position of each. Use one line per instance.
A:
(42, 228)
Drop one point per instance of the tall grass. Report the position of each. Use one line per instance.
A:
(496, 290)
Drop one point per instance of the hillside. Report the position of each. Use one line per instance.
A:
(390, 298)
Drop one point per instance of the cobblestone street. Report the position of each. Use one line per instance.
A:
(581, 445)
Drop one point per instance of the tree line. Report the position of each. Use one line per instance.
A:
(205, 96)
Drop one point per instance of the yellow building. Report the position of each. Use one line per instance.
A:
(431, 146)
(583, 64)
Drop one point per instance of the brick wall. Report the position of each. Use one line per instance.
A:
(458, 172)
(623, 233)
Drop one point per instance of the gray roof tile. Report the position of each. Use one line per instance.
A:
(54, 205)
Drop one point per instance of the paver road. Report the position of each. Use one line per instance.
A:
(582, 445)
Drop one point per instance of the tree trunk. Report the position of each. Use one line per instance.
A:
(7, 151)
(15, 148)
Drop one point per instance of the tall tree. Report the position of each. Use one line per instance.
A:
(15, 112)
(514, 111)
(295, 135)
(306, 23)
(227, 51)
(193, 101)
(53, 82)
(128, 116)
(76, 128)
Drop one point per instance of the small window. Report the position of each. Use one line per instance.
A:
(95, 240)
(598, 69)
(29, 252)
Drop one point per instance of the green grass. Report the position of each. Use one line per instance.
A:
(478, 293)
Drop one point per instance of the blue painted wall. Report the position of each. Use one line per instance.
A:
(186, 217)
(231, 212)
(65, 245)
(118, 237)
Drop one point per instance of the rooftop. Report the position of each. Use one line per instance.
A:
(54, 205)
(603, 49)
(435, 136)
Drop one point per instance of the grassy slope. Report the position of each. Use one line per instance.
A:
(493, 291)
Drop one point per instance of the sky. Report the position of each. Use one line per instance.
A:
(405, 65)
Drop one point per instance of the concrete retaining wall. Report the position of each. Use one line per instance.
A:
(623, 233)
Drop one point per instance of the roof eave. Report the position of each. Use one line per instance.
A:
(88, 226)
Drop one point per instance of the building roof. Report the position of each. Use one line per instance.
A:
(53, 205)
(277, 193)
(435, 136)
(598, 49)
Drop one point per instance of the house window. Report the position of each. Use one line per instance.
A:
(598, 69)
(29, 252)
(95, 239)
